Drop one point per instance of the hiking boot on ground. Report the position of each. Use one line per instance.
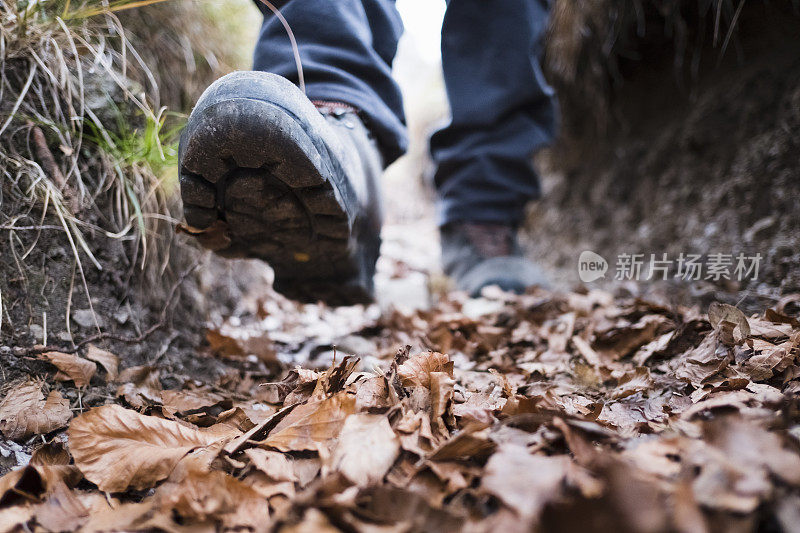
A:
(265, 173)
(477, 255)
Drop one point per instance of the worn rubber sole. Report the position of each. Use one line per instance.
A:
(258, 162)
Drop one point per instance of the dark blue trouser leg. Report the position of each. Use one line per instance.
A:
(502, 109)
(346, 48)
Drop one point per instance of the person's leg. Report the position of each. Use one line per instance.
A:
(346, 49)
(502, 109)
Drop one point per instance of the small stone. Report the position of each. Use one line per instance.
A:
(12, 456)
(37, 332)
(121, 316)
(86, 319)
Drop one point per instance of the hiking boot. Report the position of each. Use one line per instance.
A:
(476, 255)
(266, 174)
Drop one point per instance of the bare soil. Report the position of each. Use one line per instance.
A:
(703, 163)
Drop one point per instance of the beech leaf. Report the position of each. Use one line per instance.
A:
(25, 412)
(366, 450)
(417, 369)
(118, 448)
(312, 425)
(72, 367)
(106, 359)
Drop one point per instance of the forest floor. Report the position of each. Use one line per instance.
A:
(545, 411)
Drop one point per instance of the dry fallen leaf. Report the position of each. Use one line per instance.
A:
(523, 481)
(50, 454)
(620, 340)
(729, 322)
(230, 424)
(753, 446)
(415, 433)
(121, 517)
(313, 425)
(312, 521)
(32, 482)
(200, 496)
(442, 387)
(275, 465)
(471, 442)
(416, 371)
(107, 360)
(71, 367)
(550, 413)
(140, 386)
(13, 518)
(12, 487)
(236, 344)
(61, 511)
(374, 393)
(633, 382)
(25, 412)
(117, 448)
(184, 401)
(366, 450)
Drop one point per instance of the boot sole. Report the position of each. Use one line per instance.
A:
(255, 165)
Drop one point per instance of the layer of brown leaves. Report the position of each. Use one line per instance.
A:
(537, 412)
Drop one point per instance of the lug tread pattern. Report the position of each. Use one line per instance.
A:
(274, 199)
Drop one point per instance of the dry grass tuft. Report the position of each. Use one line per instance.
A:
(88, 149)
(81, 144)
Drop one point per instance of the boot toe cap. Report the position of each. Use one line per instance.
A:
(510, 273)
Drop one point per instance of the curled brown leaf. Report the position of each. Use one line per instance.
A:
(106, 359)
(72, 367)
(416, 371)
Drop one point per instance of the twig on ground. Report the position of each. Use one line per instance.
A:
(46, 157)
(30, 228)
(50, 166)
